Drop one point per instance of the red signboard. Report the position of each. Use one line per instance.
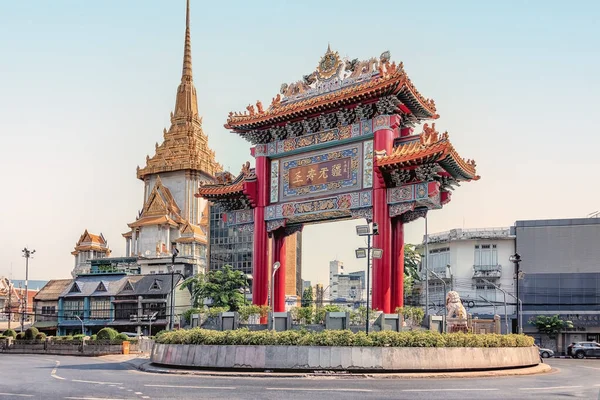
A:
(316, 174)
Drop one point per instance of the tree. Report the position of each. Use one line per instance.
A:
(307, 297)
(412, 260)
(550, 325)
(223, 286)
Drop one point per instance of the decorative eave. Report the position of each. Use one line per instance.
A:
(153, 220)
(127, 234)
(427, 148)
(229, 193)
(89, 241)
(351, 82)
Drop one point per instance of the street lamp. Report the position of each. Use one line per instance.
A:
(27, 254)
(451, 278)
(516, 259)
(445, 308)
(505, 308)
(174, 252)
(82, 327)
(152, 316)
(364, 230)
(276, 266)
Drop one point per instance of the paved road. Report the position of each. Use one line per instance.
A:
(81, 378)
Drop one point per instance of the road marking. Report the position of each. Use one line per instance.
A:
(551, 388)
(321, 390)
(98, 383)
(53, 373)
(92, 398)
(16, 394)
(194, 387)
(588, 367)
(139, 393)
(450, 390)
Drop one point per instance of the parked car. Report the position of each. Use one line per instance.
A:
(546, 353)
(132, 335)
(585, 349)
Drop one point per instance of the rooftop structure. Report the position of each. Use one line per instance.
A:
(470, 234)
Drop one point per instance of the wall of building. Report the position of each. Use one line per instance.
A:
(461, 256)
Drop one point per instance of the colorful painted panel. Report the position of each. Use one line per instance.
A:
(416, 192)
(274, 181)
(368, 164)
(310, 141)
(319, 173)
(239, 217)
(294, 209)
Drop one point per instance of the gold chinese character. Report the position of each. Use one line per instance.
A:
(297, 177)
(310, 175)
(323, 172)
(336, 170)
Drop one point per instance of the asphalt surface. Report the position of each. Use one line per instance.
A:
(83, 378)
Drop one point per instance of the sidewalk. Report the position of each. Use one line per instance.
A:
(142, 363)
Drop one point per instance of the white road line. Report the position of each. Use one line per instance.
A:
(450, 390)
(551, 388)
(145, 397)
(192, 387)
(16, 394)
(139, 393)
(53, 373)
(92, 398)
(97, 383)
(589, 367)
(321, 390)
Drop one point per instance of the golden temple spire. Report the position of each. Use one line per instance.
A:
(186, 105)
(187, 50)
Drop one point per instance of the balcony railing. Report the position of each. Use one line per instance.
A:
(487, 271)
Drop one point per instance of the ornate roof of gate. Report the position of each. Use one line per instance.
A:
(335, 83)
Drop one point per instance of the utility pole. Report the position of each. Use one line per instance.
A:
(10, 290)
(27, 254)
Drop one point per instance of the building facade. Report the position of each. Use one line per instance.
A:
(88, 247)
(171, 216)
(560, 272)
(475, 263)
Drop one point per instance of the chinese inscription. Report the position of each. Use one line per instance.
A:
(325, 172)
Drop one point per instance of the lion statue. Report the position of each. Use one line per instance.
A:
(454, 306)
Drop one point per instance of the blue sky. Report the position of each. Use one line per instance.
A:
(86, 89)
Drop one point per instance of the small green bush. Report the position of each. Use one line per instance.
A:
(10, 332)
(94, 337)
(31, 333)
(20, 336)
(187, 314)
(68, 337)
(341, 338)
(79, 337)
(107, 334)
(123, 337)
(40, 336)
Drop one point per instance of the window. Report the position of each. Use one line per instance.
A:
(48, 310)
(486, 254)
(128, 285)
(75, 288)
(488, 292)
(101, 287)
(438, 260)
(155, 285)
(72, 308)
(100, 308)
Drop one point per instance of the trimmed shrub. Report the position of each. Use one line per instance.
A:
(79, 337)
(93, 337)
(107, 334)
(31, 333)
(68, 337)
(40, 336)
(341, 338)
(122, 337)
(20, 336)
(10, 332)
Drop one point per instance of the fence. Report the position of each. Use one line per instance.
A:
(72, 347)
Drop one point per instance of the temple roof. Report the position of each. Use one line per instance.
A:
(230, 193)
(428, 148)
(89, 241)
(337, 82)
(192, 234)
(160, 208)
(185, 146)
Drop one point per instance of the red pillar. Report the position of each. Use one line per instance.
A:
(260, 261)
(397, 263)
(279, 286)
(382, 268)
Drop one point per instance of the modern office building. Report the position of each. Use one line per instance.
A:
(560, 268)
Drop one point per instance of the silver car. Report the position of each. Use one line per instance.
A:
(546, 353)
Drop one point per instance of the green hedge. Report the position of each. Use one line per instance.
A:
(342, 338)
(10, 332)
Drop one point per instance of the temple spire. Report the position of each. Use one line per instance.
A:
(186, 105)
(186, 74)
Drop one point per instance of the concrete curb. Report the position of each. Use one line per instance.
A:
(147, 366)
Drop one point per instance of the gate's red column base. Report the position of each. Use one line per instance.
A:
(397, 264)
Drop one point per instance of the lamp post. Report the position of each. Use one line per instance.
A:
(150, 323)
(426, 269)
(445, 309)
(276, 266)
(451, 277)
(505, 308)
(516, 259)
(175, 252)
(27, 254)
(489, 302)
(364, 230)
(82, 326)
